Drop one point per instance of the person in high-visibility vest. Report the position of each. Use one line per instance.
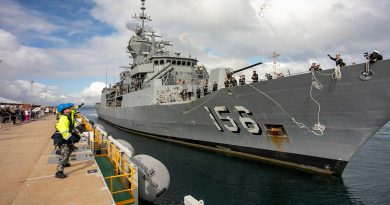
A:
(64, 137)
(73, 110)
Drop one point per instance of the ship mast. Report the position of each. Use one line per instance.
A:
(143, 17)
(274, 64)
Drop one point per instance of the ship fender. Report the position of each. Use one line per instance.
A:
(128, 146)
(124, 147)
(153, 177)
(101, 129)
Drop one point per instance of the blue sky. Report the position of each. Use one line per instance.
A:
(52, 26)
(69, 18)
(65, 46)
(71, 25)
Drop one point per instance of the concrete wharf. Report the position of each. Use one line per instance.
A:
(27, 176)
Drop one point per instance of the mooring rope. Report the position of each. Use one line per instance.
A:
(318, 128)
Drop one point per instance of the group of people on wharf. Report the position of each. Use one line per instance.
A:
(16, 114)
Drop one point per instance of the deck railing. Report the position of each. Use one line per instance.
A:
(125, 172)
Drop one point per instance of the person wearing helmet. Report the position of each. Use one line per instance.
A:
(64, 137)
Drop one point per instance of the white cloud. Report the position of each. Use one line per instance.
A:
(20, 19)
(22, 60)
(92, 94)
(223, 33)
(115, 14)
(27, 92)
(39, 93)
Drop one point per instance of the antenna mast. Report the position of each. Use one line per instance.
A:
(143, 17)
(274, 59)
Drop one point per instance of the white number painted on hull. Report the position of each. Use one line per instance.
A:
(214, 120)
(222, 113)
(245, 121)
(222, 109)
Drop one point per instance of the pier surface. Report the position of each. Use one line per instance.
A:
(27, 177)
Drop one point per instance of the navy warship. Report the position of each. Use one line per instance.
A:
(313, 121)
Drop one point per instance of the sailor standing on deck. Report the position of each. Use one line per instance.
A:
(64, 137)
(255, 77)
(339, 61)
(242, 80)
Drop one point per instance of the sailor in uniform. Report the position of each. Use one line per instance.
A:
(242, 80)
(374, 56)
(255, 77)
(215, 86)
(339, 61)
(234, 81)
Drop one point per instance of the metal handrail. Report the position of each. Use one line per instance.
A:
(123, 168)
(132, 187)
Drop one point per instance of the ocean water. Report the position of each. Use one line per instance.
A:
(219, 179)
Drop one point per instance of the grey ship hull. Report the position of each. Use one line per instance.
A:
(352, 110)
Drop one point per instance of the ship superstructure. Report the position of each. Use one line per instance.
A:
(158, 74)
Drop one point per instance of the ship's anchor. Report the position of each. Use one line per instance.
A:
(366, 74)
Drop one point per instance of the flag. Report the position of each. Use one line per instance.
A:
(184, 36)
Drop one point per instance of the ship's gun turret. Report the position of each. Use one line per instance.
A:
(219, 75)
(242, 69)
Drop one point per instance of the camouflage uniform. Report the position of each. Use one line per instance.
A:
(64, 153)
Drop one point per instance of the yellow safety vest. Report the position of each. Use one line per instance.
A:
(65, 126)
(73, 114)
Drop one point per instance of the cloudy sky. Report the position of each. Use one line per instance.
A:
(65, 46)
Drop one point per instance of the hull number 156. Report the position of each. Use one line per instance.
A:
(229, 123)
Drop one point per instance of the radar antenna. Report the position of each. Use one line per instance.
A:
(143, 17)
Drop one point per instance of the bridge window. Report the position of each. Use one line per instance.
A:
(155, 62)
(173, 62)
(161, 62)
(168, 61)
(188, 63)
(178, 62)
